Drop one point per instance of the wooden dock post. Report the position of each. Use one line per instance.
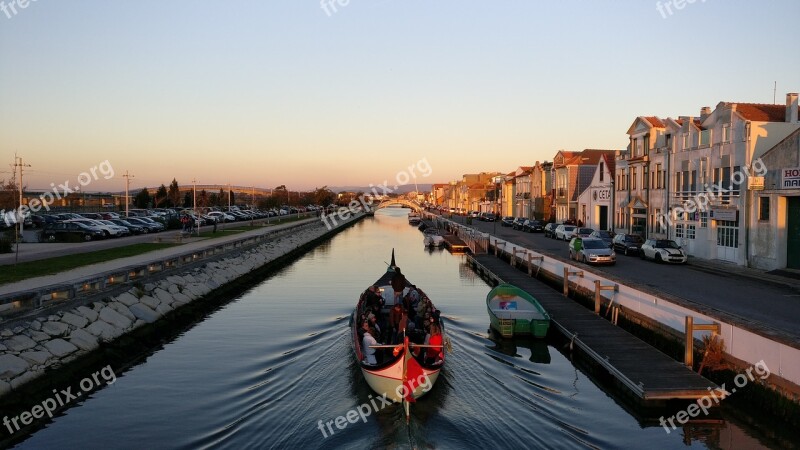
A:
(598, 297)
(567, 274)
(530, 262)
(688, 354)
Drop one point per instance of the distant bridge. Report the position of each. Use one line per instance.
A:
(399, 201)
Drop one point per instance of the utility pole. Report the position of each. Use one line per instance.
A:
(194, 204)
(19, 164)
(127, 177)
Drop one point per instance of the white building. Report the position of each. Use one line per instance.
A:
(711, 205)
(594, 203)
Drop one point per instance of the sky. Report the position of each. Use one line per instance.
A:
(354, 92)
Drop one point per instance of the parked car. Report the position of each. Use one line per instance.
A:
(507, 221)
(550, 230)
(221, 216)
(584, 232)
(474, 214)
(151, 227)
(565, 232)
(591, 251)
(627, 243)
(109, 231)
(517, 224)
(69, 232)
(663, 250)
(532, 226)
(134, 229)
(40, 220)
(489, 217)
(604, 235)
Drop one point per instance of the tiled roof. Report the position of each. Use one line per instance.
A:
(761, 112)
(655, 121)
(610, 163)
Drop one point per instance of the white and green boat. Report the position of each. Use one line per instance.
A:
(515, 312)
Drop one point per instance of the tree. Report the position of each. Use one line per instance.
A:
(213, 199)
(161, 198)
(222, 198)
(187, 200)
(174, 193)
(202, 198)
(142, 199)
(281, 194)
(9, 195)
(323, 196)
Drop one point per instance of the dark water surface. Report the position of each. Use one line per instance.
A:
(265, 369)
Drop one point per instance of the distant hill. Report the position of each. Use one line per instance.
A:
(365, 189)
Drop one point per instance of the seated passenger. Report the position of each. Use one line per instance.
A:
(369, 353)
(434, 354)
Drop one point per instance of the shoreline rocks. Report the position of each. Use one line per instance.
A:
(28, 351)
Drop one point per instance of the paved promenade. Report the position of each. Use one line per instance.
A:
(188, 245)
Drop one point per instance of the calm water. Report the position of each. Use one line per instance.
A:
(261, 372)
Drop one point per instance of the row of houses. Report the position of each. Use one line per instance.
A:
(725, 184)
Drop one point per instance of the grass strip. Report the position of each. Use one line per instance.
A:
(11, 273)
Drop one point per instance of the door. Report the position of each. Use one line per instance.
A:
(727, 240)
(603, 222)
(793, 228)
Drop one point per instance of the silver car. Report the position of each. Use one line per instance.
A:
(591, 251)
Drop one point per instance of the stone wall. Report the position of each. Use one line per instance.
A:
(33, 348)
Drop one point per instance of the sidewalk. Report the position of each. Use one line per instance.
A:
(91, 270)
(787, 277)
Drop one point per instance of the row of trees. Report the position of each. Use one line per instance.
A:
(169, 197)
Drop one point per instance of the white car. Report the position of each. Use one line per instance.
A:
(565, 232)
(108, 230)
(221, 216)
(663, 250)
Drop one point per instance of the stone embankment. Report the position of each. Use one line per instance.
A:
(41, 345)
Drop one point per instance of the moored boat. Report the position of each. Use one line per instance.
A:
(433, 238)
(406, 368)
(414, 218)
(512, 311)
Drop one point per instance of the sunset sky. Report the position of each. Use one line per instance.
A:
(281, 92)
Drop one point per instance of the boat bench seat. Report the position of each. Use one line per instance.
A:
(517, 314)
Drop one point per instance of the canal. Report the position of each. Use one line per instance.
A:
(265, 368)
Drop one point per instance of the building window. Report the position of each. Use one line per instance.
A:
(658, 176)
(705, 138)
(685, 143)
(726, 133)
(689, 231)
(679, 230)
(602, 171)
(633, 178)
(703, 219)
(763, 208)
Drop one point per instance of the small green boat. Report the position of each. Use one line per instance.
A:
(515, 312)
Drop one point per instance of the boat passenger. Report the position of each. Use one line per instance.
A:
(395, 314)
(373, 299)
(398, 284)
(373, 323)
(369, 353)
(434, 354)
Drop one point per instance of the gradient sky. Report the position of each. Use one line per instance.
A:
(278, 92)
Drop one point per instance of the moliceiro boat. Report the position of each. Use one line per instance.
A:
(513, 311)
(402, 356)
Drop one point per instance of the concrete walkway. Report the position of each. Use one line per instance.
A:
(190, 245)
